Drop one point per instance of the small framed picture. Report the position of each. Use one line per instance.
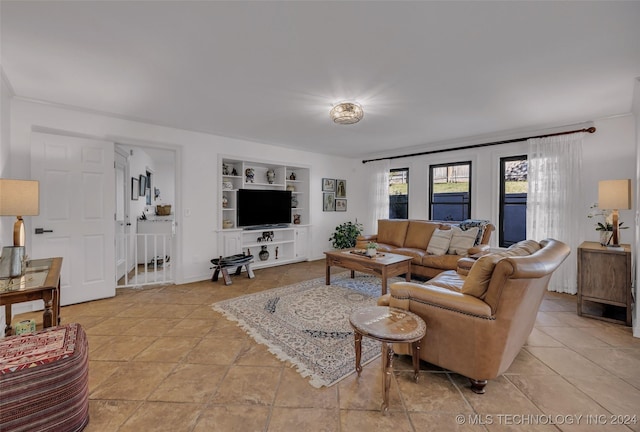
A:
(143, 185)
(135, 188)
(341, 189)
(328, 185)
(328, 201)
(341, 204)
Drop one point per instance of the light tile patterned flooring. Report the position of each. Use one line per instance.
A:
(162, 360)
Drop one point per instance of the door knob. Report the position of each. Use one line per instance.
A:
(42, 231)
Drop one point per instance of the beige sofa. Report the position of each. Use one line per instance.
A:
(479, 317)
(413, 238)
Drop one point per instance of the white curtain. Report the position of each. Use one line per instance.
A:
(554, 199)
(378, 194)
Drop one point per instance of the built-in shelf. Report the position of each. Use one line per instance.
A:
(289, 244)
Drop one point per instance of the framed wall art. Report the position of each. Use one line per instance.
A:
(142, 185)
(135, 188)
(341, 188)
(341, 204)
(328, 185)
(328, 201)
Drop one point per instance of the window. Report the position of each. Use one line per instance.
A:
(450, 197)
(399, 193)
(513, 200)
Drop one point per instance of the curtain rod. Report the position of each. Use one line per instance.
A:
(589, 130)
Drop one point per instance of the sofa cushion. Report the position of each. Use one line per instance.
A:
(445, 262)
(392, 231)
(448, 279)
(462, 241)
(385, 247)
(479, 276)
(419, 233)
(415, 254)
(439, 242)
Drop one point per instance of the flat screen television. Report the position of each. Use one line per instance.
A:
(257, 207)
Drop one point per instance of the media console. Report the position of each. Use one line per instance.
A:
(289, 242)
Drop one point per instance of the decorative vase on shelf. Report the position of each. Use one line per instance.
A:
(264, 254)
(292, 176)
(605, 237)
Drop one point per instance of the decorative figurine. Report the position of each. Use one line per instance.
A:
(292, 176)
(296, 219)
(271, 176)
(249, 173)
(225, 202)
(225, 169)
(234, 172)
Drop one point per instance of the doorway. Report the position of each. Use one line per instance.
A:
(146, 229)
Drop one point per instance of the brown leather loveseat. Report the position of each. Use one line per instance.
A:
(479, 318)
(413, 238)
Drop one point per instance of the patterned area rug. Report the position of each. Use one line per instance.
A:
(308, 323)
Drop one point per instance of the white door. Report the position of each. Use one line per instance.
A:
(77, 207)
(121, 212)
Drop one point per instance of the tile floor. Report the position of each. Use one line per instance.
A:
(162, 360)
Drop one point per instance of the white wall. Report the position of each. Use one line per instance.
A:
(6, 223)
(197, 174)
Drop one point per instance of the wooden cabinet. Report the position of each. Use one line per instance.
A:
(604, 278)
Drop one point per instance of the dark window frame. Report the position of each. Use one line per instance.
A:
(502, 198)
(450, 164)
(406, 170)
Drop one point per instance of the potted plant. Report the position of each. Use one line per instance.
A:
(345, 235)
(372, 249)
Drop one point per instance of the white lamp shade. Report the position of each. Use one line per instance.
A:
(614, 194)
(19, 197)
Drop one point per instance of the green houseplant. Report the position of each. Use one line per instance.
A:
(346, 234)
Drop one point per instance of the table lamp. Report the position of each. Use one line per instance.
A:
(614, 195)
(19, 198)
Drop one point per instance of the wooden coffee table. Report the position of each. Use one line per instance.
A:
(388, 325)
(384, 264)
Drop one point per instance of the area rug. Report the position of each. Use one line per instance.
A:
(307, 323)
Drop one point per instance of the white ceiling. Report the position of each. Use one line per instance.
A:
(426, 73)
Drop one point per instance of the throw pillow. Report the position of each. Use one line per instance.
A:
(439, 242)
(479, 276)
(461, 241)
(480, 223)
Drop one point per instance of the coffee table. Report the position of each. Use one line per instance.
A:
(388, 325)
(385, 264)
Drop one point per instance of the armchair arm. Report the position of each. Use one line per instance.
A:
(403, 293)
(479, 249)
(363, 239)
(367, 237)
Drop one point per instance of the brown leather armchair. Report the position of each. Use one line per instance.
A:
(478, 322)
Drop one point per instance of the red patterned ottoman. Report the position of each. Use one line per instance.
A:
(44, 380)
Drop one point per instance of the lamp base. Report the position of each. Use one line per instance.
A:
(18, 232)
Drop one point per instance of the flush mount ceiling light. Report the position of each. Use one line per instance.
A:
(346, 113)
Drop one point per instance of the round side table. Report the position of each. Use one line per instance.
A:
(388, 325)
